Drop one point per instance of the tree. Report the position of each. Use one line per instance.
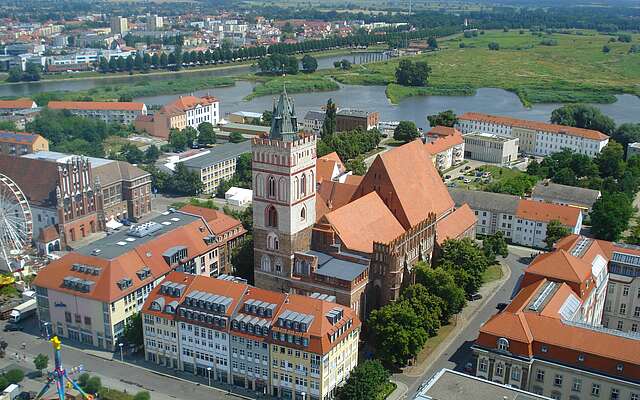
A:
(432, 42)
(132, 153)
(583, 116)
(236, 137)
(610, 161)
(494, 245)
(444, 118)
(329, 123)
(426, 305)
(365, 381)
(133, 330)
(242, 259)
(151, 154)
(606, 49)
(15, 75)
(94, 384)
(185, 182)
(467, 262)
(626, 133)
(409, 73)
(406, 131)
(442, 284)
(494, 46)
(32, 72)
(40, 362)
(3, 383)
(610, 216)
(83, 379)
(343, 64)
(397, 332)
(14, 376)
(178, 140)
(309, 64)
(357, 166)
(206, 135)
(267, 116)
(555, 232)
(143, 395)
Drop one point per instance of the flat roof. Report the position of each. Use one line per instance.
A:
(120, 242)
(218, 154)
(62, 158)
(489, 137)
(352, 112)
(452, 385)
(233, 126)
(336, 268)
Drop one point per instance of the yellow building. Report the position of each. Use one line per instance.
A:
(21, 143)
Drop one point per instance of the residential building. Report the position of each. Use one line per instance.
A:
(122, 191)
(521, 221)
(16, 105)
(633, 149)
(110, 112)
(119, 25)
(217, 164)
(90, 294)
(565, 195)
(21, 143)
(244, 117)
(622, 308)
(490, 148)
(448, 149)
(355, 240)
(154, 23)
(330, 167)
(348, 119)
(536, 138)
(313, 121)
(284, 345)
(186, 111)
(467, 387)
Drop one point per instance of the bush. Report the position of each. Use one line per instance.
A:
(94, 384)
(494, 46)
(14, 376)
(144, 395)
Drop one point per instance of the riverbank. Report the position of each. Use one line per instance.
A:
(572, 69)
(300, 83)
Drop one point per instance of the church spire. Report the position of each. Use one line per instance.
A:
(284, 124)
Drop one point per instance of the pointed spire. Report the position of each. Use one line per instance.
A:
(284, 123)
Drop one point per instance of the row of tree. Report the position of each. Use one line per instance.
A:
(31, 73)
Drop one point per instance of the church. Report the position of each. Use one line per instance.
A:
(352, 239)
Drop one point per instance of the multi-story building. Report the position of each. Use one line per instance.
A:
(313, 121)
(284, 345)
(522, 221)
(21, 143)
(348, 119)
(573, 196)
(217, 164)
(549, 340)
(119, 25)
(110, 112)
(354, 240)
(446, 147)
(491, 148)
(154, 23)
(622, 308)
(183, 112)
(633, 149)
(123, 191)
(90, 294)
(536, 138)
(16, 105)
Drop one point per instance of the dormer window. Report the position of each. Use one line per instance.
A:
(619, 367)
(581, 357)
(503, 344)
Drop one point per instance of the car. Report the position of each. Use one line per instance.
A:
(467, 180)
(468, 367)
(501, 306)
(475, 296)
(468, 167)
(460, 177)
(13, 328)
(447, 177)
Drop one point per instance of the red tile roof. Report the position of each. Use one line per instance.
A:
(547, 212)
(184, 103)
(541, 126)
(442, 131)
(332, 195)
(444, 143)
(326, 166)
(560, 265)
(95, 105)
(219, 222)
(455, 224)
(16, 104)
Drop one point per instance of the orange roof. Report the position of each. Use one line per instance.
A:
(219, 222)
(560, 265)
(547, 212)
(455, 224)
(331, 196)
(444, 143)
(184, 103)
(95, 105)
(536, 125)
(442, 131)
(16, 104)
(326, 167)
(409, 184)
(364, 221)
(354, 180)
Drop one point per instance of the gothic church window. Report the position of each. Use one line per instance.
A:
(271, 190)
(272, 217)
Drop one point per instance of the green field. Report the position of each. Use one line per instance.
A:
(299, 83)
(574, 70)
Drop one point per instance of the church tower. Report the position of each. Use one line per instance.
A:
(284, 202)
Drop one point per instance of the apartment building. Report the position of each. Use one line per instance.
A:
(622, 308)
(446, 146)
(154, 23)
(522, 221)
(110, 112)
(186, 111)
(491, 148)
(536, 138)
(119, 25)
(313, 121)
(16, 105)
(565, 195)
(21, 143)
(90, 294)
(284, 345)
(348, 119)
(217, 164)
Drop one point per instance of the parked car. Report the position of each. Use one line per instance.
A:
(13, 328)
(460, 177)
(468, 167)
(447, 177)
(467, 180)
(475, 296)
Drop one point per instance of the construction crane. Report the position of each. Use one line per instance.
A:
(59, 375)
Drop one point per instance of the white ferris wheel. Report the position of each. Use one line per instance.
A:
(16, 223)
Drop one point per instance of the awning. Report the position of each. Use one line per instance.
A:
(113, 224)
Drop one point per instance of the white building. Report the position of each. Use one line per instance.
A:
(154, 23)
(536, 138)
(238, 196)
(119, 25)
(313, 121)
(446, 146)
(491, 148)
(110, 112)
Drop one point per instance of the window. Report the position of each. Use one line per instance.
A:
(595, 390)
(499, 369)
(271, 190)
(615, 394)
(623, 309)
(303, 214)
(636, 312)
(620, 325)
(515, 374)
(484, 364)
(503, 344)
(540, 375)
(272, 217)
(577, 385)
(557, 381)
(625, 290)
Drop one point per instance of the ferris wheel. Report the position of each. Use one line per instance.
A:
(16, 223)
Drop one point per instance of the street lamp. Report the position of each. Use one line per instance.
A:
(121, 354)
(209, 375)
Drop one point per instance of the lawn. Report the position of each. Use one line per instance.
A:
(493, 273)
(499, 175)
(389, 387)
(299, 83)
(576, 69)
(433, 342)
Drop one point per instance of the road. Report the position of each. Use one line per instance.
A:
(458, 353)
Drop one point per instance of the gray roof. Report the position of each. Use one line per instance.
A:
(284, 123)
(120, 242)
(62, 158)
(218, 154)
(313, 115)
(452, 385)
(479, 200)
(233, 127)
(553, 192)
(351, 112)
(335, 268)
